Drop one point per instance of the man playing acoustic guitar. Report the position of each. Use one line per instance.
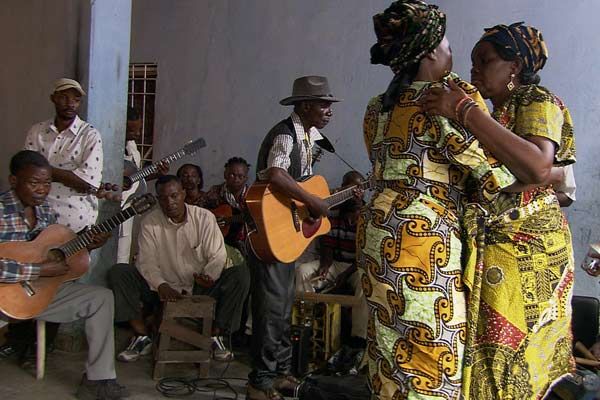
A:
(284, 156)
(24, 213)
(227, 200)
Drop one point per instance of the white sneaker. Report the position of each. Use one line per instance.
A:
(139, 346)
(220, 352)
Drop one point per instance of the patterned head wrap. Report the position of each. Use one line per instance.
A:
(406, 32)
(525, 42)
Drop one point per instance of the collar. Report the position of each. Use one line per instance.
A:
(74, 127)
(177, 224)
(313, 133)
(13, 205)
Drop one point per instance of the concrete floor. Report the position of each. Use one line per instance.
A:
(64, 370)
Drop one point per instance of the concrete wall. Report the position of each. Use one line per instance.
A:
(223, 65)
(39, 45)
(570, 34)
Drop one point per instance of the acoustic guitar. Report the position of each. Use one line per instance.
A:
(25, 300)
(133, 175)
(226, 216)
(283, 226)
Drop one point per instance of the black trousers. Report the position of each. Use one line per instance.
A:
(273, 293)
(132, 292)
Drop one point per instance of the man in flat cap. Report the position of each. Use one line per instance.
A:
(74, 149)
(284, 156)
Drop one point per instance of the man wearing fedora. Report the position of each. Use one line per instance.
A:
(285, 155)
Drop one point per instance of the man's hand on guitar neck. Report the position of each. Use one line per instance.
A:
(167, 293)
(53, 268)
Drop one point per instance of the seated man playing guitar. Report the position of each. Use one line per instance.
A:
(181, 252)
(24, 213)
(336, 266)
(226, 201)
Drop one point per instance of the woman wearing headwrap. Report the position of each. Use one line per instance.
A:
(520, 273)
(409, 237)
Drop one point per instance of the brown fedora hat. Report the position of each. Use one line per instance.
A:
(310, 88)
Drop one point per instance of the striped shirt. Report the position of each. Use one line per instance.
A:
(341, 239)
(279, 155)
(14, 228)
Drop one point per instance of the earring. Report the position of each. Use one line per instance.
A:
(510, 85)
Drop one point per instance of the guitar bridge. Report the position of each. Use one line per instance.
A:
(295, 216)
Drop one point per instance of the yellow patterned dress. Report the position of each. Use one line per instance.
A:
(409, 246)
(519, 312)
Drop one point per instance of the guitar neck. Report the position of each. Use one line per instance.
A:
(151, 169)
(339, 197)
(85, 238)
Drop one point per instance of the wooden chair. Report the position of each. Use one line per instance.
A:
(195, 307)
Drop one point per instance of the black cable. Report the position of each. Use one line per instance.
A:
(183, 387)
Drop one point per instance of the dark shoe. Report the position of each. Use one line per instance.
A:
(106, 389)
(253, 393)
(7, 351)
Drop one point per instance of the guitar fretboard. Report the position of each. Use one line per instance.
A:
(344, 194)
(84, 239)
(151, 169)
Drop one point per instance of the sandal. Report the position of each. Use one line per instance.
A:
(253, 393)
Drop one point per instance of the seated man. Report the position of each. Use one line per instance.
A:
(181, 251)
(232, 193)
(24, 213)
(193, 182)
(337, 264)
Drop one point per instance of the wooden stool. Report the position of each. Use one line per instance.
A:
(197, 307)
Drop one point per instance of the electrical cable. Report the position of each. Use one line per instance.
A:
(183, 387)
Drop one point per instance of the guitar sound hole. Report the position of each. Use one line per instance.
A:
(56, 255)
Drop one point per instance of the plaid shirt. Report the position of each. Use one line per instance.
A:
(14, 228)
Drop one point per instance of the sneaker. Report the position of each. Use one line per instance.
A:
(107, 389)
(220, 351)
(139, 346)
(7, 351)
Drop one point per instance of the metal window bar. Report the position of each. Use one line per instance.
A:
(141, 95)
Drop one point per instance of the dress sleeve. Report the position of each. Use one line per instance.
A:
(12, 271)
(147, 261)
(539, 117)
(371, 122)
(279, 154)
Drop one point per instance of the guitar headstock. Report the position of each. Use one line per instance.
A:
(194, 146)
(143, 203)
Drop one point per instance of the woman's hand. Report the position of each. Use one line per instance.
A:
(442, 101)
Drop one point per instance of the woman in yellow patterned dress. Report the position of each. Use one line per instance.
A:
(519, 312)
(409, 237)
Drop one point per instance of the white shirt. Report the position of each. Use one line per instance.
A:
(132, 153)
(171, 253)
(567, 185)
(77, 149)
(279, 154)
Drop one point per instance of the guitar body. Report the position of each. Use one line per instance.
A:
(15, 302)
(283, 227)
(223, 213)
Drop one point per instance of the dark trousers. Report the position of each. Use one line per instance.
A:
(272, 299)
(132, 293)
